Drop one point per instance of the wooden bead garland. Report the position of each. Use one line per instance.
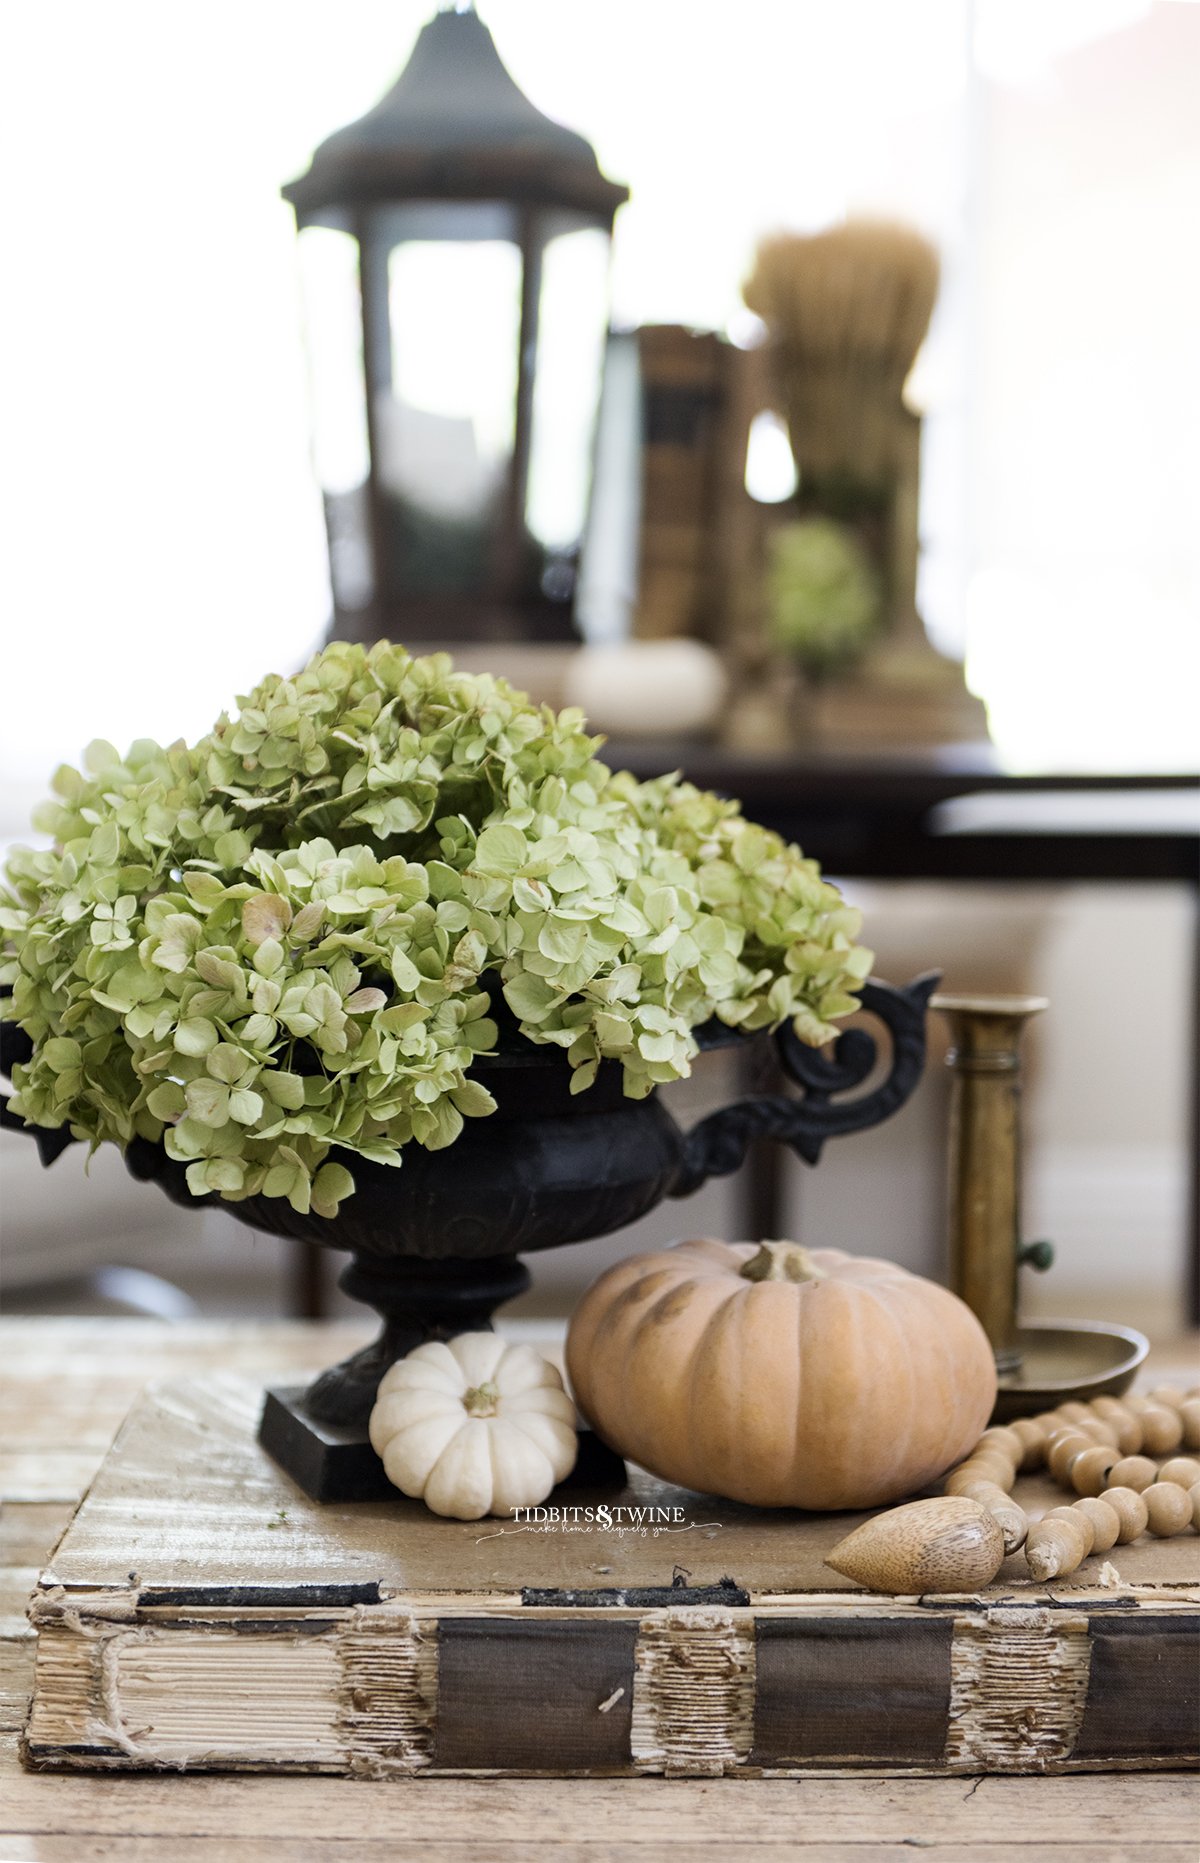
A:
(1102, 1451)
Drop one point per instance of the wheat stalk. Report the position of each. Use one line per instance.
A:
(846, 311)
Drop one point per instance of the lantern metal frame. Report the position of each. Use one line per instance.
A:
(455, 129)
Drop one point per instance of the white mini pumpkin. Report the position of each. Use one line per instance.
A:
(474, 1426)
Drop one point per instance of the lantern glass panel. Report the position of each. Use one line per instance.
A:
(341, 451)
(572, 323)
(445, 420)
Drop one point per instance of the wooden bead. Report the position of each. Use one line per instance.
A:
(1133, 1471)
(1168, 1394)
(1189, 1416)
(1130, 1509)
(1127, 1426)
(979, 1469)
(1106, 1522)
(999, 1468)
(1102, 1430)
(1003, 1440)
(1064, 1448)
(1050, 1426)
(1183, 1470)
(1194, 1497)
(1010, 1518)
(1078, 1519)
(1089, 1472)
(1056, 1547)
(1162, 1429)
(1074, 1412)
(1033, 1440)
(1169, 1509)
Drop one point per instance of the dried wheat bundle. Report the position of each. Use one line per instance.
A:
(846, 311)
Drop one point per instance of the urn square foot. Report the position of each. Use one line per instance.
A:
(335, 1462)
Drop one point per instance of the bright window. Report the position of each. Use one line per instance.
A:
(164, 544)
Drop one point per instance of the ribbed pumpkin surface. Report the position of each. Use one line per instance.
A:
(844, 1390)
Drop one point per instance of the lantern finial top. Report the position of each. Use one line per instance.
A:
(454, 125)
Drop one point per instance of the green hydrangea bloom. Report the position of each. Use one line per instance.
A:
(271, 949)
(824, 597)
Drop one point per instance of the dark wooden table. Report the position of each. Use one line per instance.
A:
(950, 814)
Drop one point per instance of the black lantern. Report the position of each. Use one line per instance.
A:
(454, 244)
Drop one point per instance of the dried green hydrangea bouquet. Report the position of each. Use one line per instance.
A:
(282, 945)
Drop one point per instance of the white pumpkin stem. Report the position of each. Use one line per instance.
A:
(782, 1261)
(481, 1401)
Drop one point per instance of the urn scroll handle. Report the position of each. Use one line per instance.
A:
(718, 1144)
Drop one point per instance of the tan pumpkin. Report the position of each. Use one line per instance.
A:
(779, 1375)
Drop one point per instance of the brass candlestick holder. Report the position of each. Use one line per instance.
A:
(1039, 1364)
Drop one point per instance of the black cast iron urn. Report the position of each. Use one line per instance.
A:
(435, 1246)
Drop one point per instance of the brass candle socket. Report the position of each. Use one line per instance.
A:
(985, 1183)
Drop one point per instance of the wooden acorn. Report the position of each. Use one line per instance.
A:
(948, 1544)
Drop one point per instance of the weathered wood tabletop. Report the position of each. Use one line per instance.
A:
(65, 1385)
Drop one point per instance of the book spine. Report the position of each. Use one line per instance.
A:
(696, 1691)
(683, 387)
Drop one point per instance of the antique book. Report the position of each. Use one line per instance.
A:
(201, 1611)
(684, 386)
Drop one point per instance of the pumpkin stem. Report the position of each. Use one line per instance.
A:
(782, 1261)
(482, 1401)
